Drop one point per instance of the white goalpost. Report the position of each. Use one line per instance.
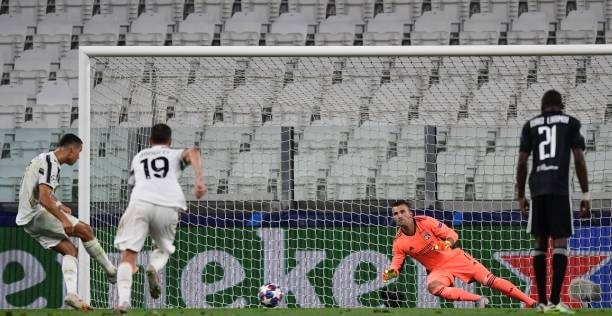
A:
(305, 148)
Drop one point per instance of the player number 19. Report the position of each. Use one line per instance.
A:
(550, 134)
(159, 171)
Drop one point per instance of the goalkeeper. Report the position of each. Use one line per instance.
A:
(430, 242)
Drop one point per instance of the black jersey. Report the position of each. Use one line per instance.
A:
(550, 137)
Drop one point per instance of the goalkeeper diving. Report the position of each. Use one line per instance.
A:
(430, 242)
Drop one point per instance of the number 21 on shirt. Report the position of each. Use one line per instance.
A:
(550, 135)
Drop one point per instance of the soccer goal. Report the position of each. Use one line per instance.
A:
(305, 148)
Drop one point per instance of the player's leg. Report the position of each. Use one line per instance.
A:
(163, 231)
(506, 287)
(538, 227)
(126, 269)
(440, 283)
(561, 227)
(94, 249)
(70, 266)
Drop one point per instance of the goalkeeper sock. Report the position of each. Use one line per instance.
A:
(509, 289)
(94, 249)
(159, 259)
(69, 269)
(559, 264)
(455, 294)
(539, 268)
(124, 282)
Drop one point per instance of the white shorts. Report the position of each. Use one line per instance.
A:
(143, 218)
(48, 229)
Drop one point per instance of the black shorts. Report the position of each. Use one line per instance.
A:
(551, 216)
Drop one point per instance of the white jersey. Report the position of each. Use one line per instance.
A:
(154, 175)
(43, 169)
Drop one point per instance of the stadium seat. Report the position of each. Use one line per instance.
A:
(431, 28)
(481, 29)
(295, 102)
(245, 103)
(529, 28)
(599, 67)
(495, 175)
(148, 29)
(597, 8)
(309, 168)
(76, 11)
(252, 174)
(313, 10)
(505, 11)
(32, 68)
(398, 178)
(467, 68)
(394, 100)
(528, 104)
(226, 140)
(197, 29)
(337, 30)
(579, 27)
(12, 106)
(441, 103)
(267, 140)
(218, 9)
(242, 28)
(453, 169)
(267, 10)
(409, 9)
(30, 11)
(555, 10)
(171, 10)
(54, 31)
(600, 177)
(100, 30)
(69, 67)
(360, 10)
(588, 101)
(508, 139)
(322, 139)
(13, 31)
(290, 28)
(373, 141)
(350, 176)
(385, 29)
(470, 139)
(491, 102)
(604, 138)
(53, 105)
(314, 68)
(515, 67)
(344, 100)
(456, 10)
(123, 11)
(6, 55)
(558, 68)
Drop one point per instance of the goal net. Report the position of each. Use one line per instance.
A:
(303, 156)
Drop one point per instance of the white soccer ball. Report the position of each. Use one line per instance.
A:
(270, 295)
(584, 290)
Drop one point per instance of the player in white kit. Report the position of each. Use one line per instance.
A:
(50, 222)
(153, 209)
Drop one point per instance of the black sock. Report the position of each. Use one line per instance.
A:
(559, 265)
(539, 267)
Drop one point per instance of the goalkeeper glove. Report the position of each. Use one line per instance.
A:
(389, 274)
(442, 245)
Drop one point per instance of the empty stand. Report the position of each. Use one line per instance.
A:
(350, 177)
(13, 31)
(267, 10)
(54, 31)
(197, 29)
(529, 28)
(385, 29)
(100, 30)
(409, 9)
(148, 29)
(313, 10)
(76, 11)
(495, 175)
(243, 28)
(481, 29)
(337, 30)
(431, 28)
(289, 28)
(32, 68)
(579, 27)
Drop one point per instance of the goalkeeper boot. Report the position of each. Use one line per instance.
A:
(154, 286)
(121, 308)
(482, 302)
(559, 309)
(112, 276)
(541, 308)
(76, 302)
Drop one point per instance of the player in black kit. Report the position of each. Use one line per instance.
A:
(551, 136)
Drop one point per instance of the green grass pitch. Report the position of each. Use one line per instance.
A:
(300, 312)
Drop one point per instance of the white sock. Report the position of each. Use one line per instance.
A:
(159, 258)
(124, 282)
(95, 251)
(69, 269)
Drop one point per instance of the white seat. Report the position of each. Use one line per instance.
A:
(385, 29)
(409, 9)
(508, 139)
(579, 27)
(604, 138)
(456, 10)
(599, 67)
(197, 29)
(226, 139)
(251, 174)
(12, 106)
(69, 68)
(314, 68)
(344, 100)
(13, 30)
(440, 104)
(361, 10)
(243, 28)
(515, 67)
(32, 67)
(290, 28)
(397, 179)
(148, 29)
(266, 9)
(506, 11)
(124, 11)
(467, 67)
(529, 28)
(337, 30)
(481, 29)
(244, 104)
(309, 168)
(297, 109)
(452, 170)
(394, 100)
(171, 10)
(350, 176)
(494, 178)
(313, 10)
(322, 139)
(54, 31)
(267, 140)
(588, 101)
(470, 138)
(491, 102)
(100, 30)
(54, 92)
(6, 55)
(30, 10)
(219, 9)
(559, 68)
(431, 28)
(76, 11)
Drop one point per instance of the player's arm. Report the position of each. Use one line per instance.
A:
(54, 206)
(396, 263)
(447, 234)
(581, 173)
(521, 170)
(191, 156)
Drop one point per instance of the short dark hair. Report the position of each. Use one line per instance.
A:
(402, 202)
(552, 98)
(161, 134)
(69, 140)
